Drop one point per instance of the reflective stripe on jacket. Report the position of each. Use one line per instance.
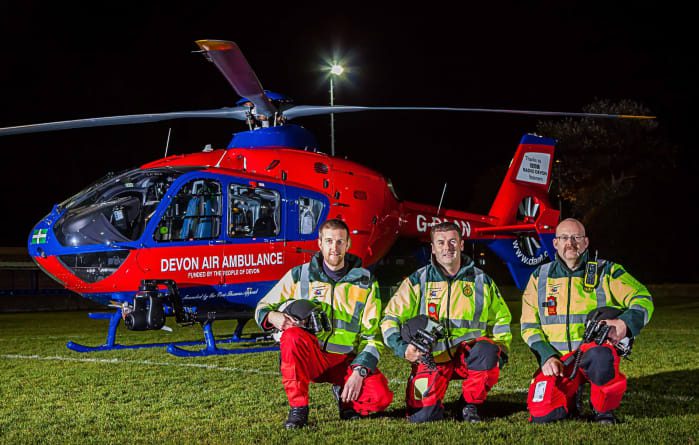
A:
(355, 303)
(555, 304)
(469, 306)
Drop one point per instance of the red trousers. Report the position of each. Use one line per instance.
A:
(303, 361)
(476, 362)
(552, 398)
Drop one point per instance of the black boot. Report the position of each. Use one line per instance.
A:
(605, 418)
(345, 413)
(470, 413)
(298, 417)
(577, 409)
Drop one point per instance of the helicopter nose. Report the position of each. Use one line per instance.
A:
(41, 240)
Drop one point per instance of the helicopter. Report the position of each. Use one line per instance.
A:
(204, 236)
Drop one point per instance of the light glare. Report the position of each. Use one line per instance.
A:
(336, 69)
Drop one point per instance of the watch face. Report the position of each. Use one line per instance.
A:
(362, 371)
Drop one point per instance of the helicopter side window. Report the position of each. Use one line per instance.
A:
(309, 213)
(254, 212)
(193, 214)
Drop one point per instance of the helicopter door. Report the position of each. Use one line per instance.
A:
(186, 246)
(255, 232)
(194, 214)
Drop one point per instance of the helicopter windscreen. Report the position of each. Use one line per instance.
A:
(115, 209)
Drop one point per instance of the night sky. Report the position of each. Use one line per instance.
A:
(64, 62)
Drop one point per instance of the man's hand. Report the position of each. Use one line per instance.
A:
(552, 366)
(412, 354)
(353, 386)
(618, 331)
(280, 320)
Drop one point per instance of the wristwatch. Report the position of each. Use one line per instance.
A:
(363, 372)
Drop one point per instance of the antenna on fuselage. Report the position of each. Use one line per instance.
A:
(442, 198)
(167, 142)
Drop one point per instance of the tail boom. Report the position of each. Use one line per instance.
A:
(417, 219)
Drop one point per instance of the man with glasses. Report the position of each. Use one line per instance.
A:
(555, 305)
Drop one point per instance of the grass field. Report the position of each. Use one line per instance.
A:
(49, 394)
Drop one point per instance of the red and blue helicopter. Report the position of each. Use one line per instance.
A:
(204, 236)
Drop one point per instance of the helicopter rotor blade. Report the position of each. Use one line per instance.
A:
(314, 110)
(238, 113)
(229, 59)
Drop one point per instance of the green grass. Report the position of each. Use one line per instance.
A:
(49, 394)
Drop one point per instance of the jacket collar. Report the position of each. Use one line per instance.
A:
(581, 266)
(467, 266)
(316, 268)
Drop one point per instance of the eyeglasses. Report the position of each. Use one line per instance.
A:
(566, 238)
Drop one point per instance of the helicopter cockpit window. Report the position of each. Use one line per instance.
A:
(253, 212)
(194, 213)
(309, 213)
(114, 209)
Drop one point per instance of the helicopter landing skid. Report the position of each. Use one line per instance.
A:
(172, 347)
(211, 342)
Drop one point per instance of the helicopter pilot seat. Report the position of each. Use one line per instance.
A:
(199, 218)
(265, 225)
(240, 220)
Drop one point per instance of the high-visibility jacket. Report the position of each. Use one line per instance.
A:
(468, 305)
(352, 304)
(555, 304)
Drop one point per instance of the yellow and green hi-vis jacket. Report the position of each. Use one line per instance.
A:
(468, 305)
(555, 304)
(352, 304)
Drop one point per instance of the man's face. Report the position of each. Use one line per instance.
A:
(565, 242)
(333, 244)
(447, 248)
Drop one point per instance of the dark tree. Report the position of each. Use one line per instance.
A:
(604, 160)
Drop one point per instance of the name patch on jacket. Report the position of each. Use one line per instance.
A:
(433, 294)
(318, 291)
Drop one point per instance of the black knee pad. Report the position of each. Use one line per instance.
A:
(598, 364)
(427, 414)
(483, 356)
(554, 416)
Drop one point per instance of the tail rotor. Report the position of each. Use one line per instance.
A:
(527, 213)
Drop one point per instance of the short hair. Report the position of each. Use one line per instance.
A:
(333, 224)
(446, 226)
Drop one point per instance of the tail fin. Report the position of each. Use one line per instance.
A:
(521, 223)
(524, 221)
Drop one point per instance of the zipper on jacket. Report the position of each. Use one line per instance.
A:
(570, 346)
(332, 316)
(448, 318)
